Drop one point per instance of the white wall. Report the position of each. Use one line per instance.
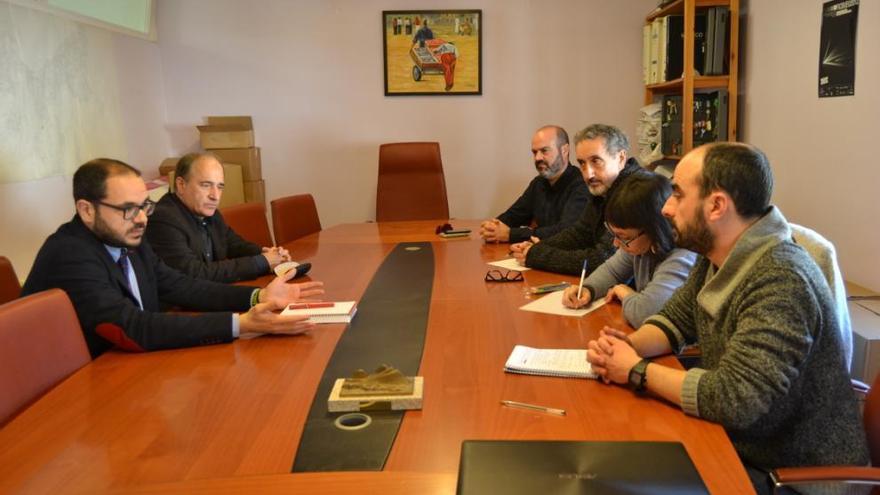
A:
(68, 93)
(823, 151)
(310, 73)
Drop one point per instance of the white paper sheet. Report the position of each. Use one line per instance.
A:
(510, 264)
(551, 304)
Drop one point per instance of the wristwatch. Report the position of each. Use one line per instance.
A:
(637, 379)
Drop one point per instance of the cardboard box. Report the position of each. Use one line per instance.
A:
(168, 165)
(255, 191)
(227, 132)
(233, 190)
(248, 158)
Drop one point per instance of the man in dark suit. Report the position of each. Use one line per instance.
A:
(189, 234)
(116, 282)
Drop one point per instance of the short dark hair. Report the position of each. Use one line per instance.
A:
(743, 172)
(184, 165)
(637, 203)
(614, 139)
(90, 179)
(561, 135)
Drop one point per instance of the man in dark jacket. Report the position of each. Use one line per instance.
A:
(188, 233)
(554, 200)
(601, 152)
(116, 282)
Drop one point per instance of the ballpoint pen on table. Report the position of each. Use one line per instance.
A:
(581, 284)
(532, 407)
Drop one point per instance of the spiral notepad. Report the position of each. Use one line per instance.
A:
(569, 363)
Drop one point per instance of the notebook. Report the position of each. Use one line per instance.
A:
(569, 363)
(550, 467)
(340, 312)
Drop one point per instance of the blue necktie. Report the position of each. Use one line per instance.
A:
(124, 266)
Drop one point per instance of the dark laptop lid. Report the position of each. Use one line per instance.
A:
(556, 467)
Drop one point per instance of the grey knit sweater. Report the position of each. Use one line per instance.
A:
(774, 373)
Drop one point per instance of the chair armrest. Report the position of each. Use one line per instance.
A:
(824, 474)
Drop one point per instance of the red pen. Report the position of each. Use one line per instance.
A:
(311, 305)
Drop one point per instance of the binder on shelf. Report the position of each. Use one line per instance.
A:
(719, 54)
(699, 43)
(709, 54)
(654, 76)
(646, 53)
(674, 47)
(662, 37)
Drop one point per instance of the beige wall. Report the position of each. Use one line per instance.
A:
(75, 92)
(823, 151)
(310, 73)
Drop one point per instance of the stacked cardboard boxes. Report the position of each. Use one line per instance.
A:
(233, 191)
(231, 139)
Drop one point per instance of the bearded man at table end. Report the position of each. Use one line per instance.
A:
(773, 370)
(116, 282)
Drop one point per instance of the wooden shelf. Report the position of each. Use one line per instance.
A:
(691, 84)
(677, 7)
(700, 82)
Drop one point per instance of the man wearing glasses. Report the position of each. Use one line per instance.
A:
(189, 234)
(554, 200)
(601, 152)
(116, 282)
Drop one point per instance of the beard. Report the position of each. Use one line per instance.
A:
(550, 170)
(106, 235)
(695, 237)
(597, 188)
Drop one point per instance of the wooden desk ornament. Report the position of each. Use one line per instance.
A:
(384, 389)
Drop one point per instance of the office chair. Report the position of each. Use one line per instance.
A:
(825, 256)
(249, 221)
(792, 477)
(41, 344)
(10, 287)
(294, 217)
(411, 184)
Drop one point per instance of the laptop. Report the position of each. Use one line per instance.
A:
(559, 467)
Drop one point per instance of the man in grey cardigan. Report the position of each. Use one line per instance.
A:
(774, 373)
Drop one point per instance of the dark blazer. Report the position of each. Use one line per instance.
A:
(551, 207)
(176, 236)
(74, 260)
(587, 239)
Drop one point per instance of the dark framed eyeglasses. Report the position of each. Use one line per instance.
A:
(131, 212)
(624, 242)
(499, 276)
(442, 229)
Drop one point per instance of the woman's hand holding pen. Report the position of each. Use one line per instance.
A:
(570, 299)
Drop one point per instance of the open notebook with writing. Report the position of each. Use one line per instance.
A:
(339, 312)
(570, 363)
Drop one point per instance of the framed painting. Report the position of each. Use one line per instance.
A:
(433, 52)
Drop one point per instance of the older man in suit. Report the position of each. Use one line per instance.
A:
(116, 282)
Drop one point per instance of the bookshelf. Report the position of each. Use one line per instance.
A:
(690, 83)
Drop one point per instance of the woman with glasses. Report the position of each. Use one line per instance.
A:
(645, 252)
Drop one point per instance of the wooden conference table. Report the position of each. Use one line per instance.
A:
(228, 418)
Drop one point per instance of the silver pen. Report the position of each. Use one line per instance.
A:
(523, 405)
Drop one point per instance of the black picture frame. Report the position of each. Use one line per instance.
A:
(432, 52)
